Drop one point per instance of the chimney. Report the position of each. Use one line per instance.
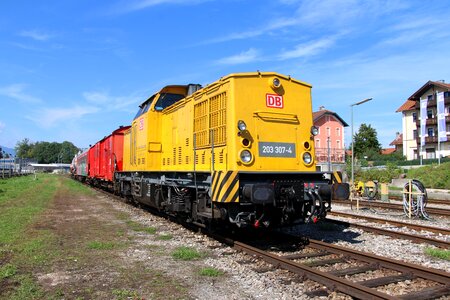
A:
(321, 107)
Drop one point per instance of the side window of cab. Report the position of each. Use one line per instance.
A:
(167, 99)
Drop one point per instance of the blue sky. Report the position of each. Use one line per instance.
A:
(75, 70)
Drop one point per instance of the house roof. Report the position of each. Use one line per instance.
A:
(398, 140)
(427, 86)
(318, 114)
(408, 105)
(387, 151)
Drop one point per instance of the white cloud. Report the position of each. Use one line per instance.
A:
(110, 102)
(241, 58)
(96, 97)
(308, 49)
(16, 91)
(331, 13)
(37, 35)
(278, 24)
(51, 117)
(131, 6)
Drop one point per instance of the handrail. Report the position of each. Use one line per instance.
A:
(269, 115)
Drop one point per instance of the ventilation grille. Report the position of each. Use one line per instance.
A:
(210, 115)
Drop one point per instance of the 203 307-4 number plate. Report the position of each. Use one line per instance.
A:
(270, 149)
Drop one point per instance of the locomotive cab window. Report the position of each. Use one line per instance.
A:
(143, 108)
(167, 99)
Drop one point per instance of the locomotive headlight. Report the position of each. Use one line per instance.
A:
(314, 130)
(307, 158)
(246, 156)
(274, 82)
(241, 125)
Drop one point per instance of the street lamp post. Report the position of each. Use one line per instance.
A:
(353, 138)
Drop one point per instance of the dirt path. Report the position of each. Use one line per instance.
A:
(89, 253)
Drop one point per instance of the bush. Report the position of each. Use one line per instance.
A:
(432, 176)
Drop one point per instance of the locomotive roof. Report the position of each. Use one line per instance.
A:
(265, 74)
(233, 75)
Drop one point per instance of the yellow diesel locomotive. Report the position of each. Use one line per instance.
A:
(239, 151)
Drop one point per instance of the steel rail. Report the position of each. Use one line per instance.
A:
(384, 205)
(331, 281)
(388, 221)
(429, 201)
(389, 263)
(400, 235)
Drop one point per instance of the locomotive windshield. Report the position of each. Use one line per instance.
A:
(167, 99)
(143, 108)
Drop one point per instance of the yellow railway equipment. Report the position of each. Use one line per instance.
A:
(240, 149)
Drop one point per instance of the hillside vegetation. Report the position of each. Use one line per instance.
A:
(432, 176)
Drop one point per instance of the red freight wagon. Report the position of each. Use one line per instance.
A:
(106, 157)
(80, 165)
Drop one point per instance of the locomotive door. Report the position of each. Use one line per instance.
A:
(277, 139)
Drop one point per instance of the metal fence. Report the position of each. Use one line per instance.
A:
(333, 155)
(10, 167)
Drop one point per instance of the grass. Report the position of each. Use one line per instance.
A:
(164, 237)
(438, 253)
(125, 294)
(96, 245)
(23, 205)
(28, 289)
(186, 253)
(210, 272)
(22, 201)
(77, 187)
(135, 226)
(7, 271)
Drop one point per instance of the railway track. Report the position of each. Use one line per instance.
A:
(392, 206)
(318, 254)
(395, 234)
(416, 227)
(323, 254)
(430, 201)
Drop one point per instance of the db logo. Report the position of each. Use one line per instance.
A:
(141, 123)
(273, 100)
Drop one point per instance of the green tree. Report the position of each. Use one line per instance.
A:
(1, 152)
(24, 149)
(46, 152)
(67, 152)
(366, 142)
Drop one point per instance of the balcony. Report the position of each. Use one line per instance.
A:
(432, 102)
(433, 121)
(337, 155)
(432, 140)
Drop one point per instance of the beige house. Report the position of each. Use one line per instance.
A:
(411, 122)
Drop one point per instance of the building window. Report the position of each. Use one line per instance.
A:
(430, 97)
(446, 94)
(328, 131)
(338, 144)
(414, 115)
(415, 134)
(317, 143)
(431, 153)
(430, 131)
(429, 113)
(338, 131)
